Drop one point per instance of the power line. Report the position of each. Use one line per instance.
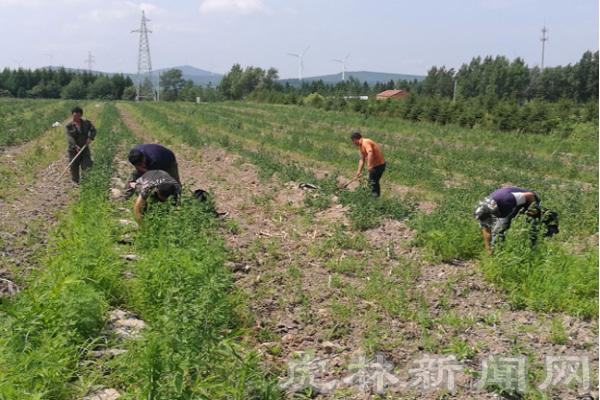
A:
(90, 61)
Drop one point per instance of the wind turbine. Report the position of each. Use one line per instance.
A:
(300, 57)
(344, 62)
(50, 57)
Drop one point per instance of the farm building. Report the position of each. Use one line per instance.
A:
(391, 94)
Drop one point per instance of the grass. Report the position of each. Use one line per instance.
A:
(44, 145)
(545, 277)
(23, 120)
(196, 319)
(49, 325)
(453, 166)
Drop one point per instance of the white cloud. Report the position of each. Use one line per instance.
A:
(37, 3)
(148, 7)
(497, 4)
(232, 6)
(118, 10)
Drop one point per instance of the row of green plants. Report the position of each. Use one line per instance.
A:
(426, 159)
(365, 211)
(534, 116)
(9, 107)
(194, 317)
(193, 345)
(28, 119)
(47, 327)
(317, 136)
(545, 277)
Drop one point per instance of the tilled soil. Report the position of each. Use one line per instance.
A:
(308, 297)
(27, 215)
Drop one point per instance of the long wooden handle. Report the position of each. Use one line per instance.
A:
(72, 161)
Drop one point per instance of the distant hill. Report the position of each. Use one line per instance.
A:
(197, 75)
(362, 76)
(204, 77)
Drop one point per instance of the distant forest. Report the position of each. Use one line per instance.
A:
(489, 79)
(62, 83)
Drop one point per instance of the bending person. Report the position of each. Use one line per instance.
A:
(496, 212)
(149, 157)
(154, 185)
(370, 153)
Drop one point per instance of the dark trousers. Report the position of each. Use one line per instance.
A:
(374, 177)
(84, 161)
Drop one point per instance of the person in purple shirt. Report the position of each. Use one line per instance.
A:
(496, 211)
(150, 157)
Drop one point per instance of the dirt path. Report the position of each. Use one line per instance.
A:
(26, 219)
(316, 287)
(33, 196)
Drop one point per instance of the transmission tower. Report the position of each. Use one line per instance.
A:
(89, 61)
(543, 39)
(145, 84)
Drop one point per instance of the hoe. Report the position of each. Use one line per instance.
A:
(72, 161)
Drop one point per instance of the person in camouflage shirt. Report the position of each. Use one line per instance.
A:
(155, 185)
(80, 132)
(148, 157)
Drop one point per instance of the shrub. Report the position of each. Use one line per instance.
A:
(314, 100)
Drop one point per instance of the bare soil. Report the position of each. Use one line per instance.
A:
(30, 209)
(306, 293)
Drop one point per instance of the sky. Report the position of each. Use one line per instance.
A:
(398, 36)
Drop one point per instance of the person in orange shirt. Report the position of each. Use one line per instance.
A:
(369, 151)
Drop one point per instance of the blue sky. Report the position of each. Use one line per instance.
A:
(380, 35)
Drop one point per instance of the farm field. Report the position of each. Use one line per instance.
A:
(186, 305)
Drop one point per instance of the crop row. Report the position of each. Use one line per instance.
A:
(447, 233)
(29, 120)
(364, 211)
(191, 346)
(457, 175)
(47, 327)
(180, 287)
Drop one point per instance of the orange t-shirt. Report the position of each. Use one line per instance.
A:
(367, 145)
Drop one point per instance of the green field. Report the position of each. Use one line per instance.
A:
(227, 303)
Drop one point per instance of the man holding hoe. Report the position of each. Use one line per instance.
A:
(371, 153)
(80, 133)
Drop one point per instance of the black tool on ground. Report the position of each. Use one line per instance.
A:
(201, 195)
(308, 186)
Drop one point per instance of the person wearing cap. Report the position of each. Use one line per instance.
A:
(371, 153)
(148, 157)
(496, 212)
(153, 185)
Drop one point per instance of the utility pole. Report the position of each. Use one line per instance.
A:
(144, 72)
(543, 39)
(50, 57)
(89, 61)
(454, 90)
(158, 87)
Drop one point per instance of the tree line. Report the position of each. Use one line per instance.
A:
(490, 78)
(51, 83)
(490, 92)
